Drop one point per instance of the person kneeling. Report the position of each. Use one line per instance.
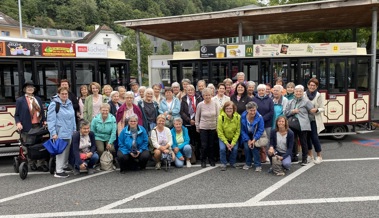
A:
(161, 139)
(84, 149)
(181, 143)
(133, 151)
(280, 151)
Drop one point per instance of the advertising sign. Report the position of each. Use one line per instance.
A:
(22, 48)
(58, 50)
(233, 51)
(211, 51)
(91, 50)
(305, 49)
(2, 49)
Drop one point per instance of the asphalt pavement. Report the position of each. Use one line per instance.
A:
(343, 185)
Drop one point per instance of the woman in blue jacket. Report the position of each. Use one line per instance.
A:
(169, 106)
(133, 145)
(181, 143)
(61, 125)
(252, 128)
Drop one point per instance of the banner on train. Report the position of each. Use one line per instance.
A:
(92, 50)
(58, 50)
(14, 48)
(305, 49)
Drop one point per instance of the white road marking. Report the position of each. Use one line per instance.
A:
(279, 184)
(51, 187)
(16, 174)
(157, 188)
(351, 159)
(197, 207)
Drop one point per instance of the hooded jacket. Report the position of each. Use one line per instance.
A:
(228, 129)
(125, 140)
(62, 123)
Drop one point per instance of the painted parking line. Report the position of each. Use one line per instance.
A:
(154, 189)
(52, 186)
(16, 174)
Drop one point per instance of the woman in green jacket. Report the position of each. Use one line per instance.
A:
(228, 130)
(104, 126)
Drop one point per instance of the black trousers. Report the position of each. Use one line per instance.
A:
(302, 135)
(207, 138)
(126, 161)
(194, 140)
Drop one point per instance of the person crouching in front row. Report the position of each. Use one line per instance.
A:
(133, 150)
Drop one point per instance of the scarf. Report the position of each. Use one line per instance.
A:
(34, 107)
(311, 95)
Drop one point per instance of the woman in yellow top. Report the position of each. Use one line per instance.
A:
(228, 131)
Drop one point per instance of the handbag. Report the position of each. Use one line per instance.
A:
(169, 123)
(277, 165)
(106, 161)
(293, 123)
(262, 141)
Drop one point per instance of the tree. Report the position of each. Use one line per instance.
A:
(164, 50)
(129, 46)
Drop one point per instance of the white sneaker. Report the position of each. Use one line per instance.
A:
(318, 160)
(310, 159)
(258, 169)
(158, 166)
(246, 167)
(188, 164)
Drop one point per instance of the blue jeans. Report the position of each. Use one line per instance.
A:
(313, 138)
(252, 152)
(187, 153)
(233, 154)
(92, 161)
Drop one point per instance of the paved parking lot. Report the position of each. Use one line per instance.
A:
(344, 185)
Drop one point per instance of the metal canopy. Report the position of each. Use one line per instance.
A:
(314, 16)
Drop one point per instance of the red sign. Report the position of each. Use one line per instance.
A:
(82, 48)
(2, 49)
(58, 50)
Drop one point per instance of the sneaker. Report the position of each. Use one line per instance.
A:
(188, 163)
(304, 162)
(318, 160)
(295, 160)
(158, 166)
(246, 167)
(67, 169)
(61, 175)
(223, 167)
(76, 172)
(281, 174)
(91, 171)
(310, 159)
(258, 169)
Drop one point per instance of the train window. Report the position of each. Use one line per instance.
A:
(251, 71)
(322, 80)
(117, 75)
(8, 76)
(189, 72)
(337, 75)
(279, 69)
(351, 74)
(363, 70)
(47, 73)
(307, 71)
(84, 73)
(204, 72)
(220, 71)
(265, 71)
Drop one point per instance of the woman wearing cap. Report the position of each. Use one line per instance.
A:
(30, 115)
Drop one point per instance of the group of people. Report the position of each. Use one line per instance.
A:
(146, 123)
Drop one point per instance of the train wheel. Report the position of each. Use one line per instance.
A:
(23, 170)
(16, 164)
(338, 129)
(52, 165)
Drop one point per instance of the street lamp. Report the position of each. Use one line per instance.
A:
(20, 19)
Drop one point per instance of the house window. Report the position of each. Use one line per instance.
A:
(52, 32)
(66, 33)
(107, 42)
(37, 31)
(5, 33)
(80, 34)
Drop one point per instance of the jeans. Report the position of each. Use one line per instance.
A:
(268, 132)
(313, 138)
(62, 159)
(286, 162)
(207, 141)
(233, 153)
(187, 153)
(90, 162)
(252, 152)
(303, 142)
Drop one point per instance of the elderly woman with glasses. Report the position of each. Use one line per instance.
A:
(181, 143)
(133, 151)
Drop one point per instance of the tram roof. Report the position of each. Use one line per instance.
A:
(291, 18)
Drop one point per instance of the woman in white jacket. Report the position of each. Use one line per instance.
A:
(315, 119)
(161, 139)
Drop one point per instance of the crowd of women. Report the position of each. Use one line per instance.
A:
(266, 123)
